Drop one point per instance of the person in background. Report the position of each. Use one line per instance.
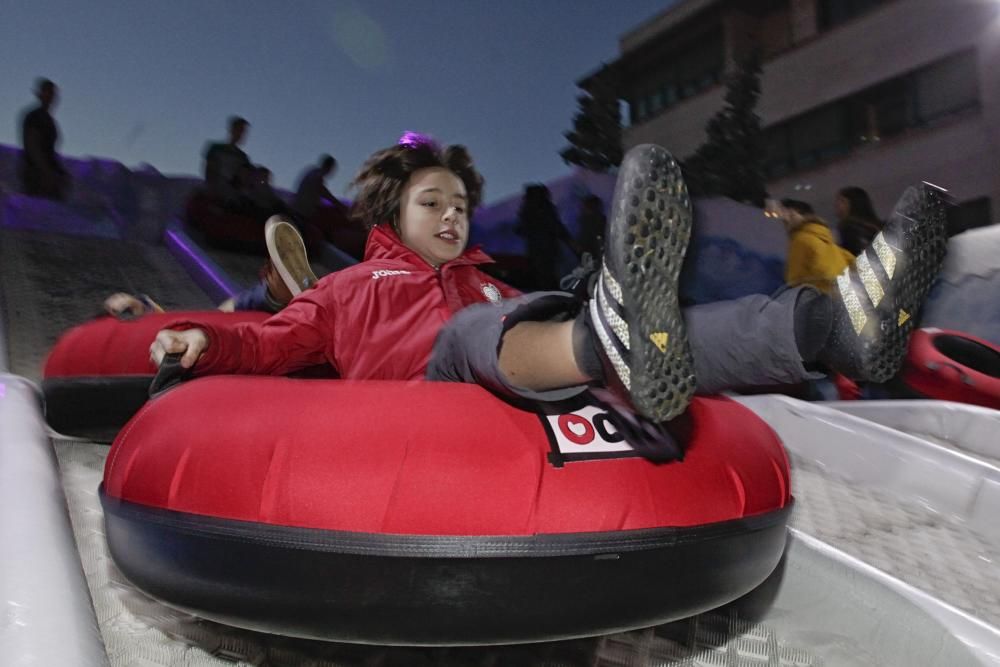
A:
(590, 237)
(42, 172)
(262, 201)
(813, 256)
(320, 216)
(539, 224)
(857, 222)
(227, 166)
(312, 191)
(285, 274)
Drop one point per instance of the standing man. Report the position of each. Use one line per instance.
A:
(42, 172)
(227, 167)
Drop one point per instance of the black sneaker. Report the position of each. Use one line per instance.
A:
(634, 311)
(876, 299)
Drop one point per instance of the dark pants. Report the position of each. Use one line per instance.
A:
(741, 343)
(50, 183)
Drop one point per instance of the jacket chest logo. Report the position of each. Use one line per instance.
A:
(382, 273)
(491, 293)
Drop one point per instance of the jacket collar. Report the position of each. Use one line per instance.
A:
(383, 243)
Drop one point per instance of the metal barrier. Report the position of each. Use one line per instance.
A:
(47, 617)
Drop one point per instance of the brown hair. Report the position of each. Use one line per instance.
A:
(383, 176)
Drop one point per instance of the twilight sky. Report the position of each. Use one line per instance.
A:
(145, 81)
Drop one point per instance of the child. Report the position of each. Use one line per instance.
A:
(814, 258)
(418, 306)
(284, 275)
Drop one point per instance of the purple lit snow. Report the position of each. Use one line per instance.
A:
(204, 271)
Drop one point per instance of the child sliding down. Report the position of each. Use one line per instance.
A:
(418, 307)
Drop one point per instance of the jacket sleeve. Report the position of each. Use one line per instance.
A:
(299, 336)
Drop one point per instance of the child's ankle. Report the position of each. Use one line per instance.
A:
(585, 351)
(813, 322)
(273, 303)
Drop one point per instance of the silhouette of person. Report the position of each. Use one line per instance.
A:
(321, 216)
(226, 166)
(42, 172)
(311, 190)
(813, 257)
(539, 224)
(857, 221)
(590, 237)
(262, 200)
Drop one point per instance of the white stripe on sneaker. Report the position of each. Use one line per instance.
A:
(869, 279)
(614, 289)
(618, 325)
(851, 301)
(885, 254)
(609, 347)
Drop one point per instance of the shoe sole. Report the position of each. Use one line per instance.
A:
(288, 254)
(652, 219)
(910, 261)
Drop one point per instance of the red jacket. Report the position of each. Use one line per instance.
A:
(374, 320)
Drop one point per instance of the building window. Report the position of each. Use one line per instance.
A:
(699, 68)
(774, 31)
(948, 86)
(915, 99)
(834, 12)
(778, 158)
(882, 111)
(679, 76)
(669, 94)
(969, 215)
(655, 101)
(819, 136)
(639, 110)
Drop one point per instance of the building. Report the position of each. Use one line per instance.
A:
(874, 93)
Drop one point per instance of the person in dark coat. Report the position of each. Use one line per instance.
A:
(227, 166)
(591, 228)
(42, 172)
(542, 229)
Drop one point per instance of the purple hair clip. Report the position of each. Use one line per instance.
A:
(416, 140)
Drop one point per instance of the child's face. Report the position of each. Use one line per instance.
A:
(433, 215)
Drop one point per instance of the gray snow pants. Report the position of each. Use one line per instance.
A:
(740, 343)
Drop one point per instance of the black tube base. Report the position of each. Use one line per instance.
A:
(440, 591)
(93, 408)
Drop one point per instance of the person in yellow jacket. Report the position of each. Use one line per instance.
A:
(814, 258)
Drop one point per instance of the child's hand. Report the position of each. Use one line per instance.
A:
(190, 342)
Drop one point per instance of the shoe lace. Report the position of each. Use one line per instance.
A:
(655, 441)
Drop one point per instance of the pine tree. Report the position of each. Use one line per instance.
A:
(596, 138)
(731, 161)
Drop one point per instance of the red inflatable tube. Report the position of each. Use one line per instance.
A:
(953, 366)
(434, 513)
(98, 374)
(108, 346)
